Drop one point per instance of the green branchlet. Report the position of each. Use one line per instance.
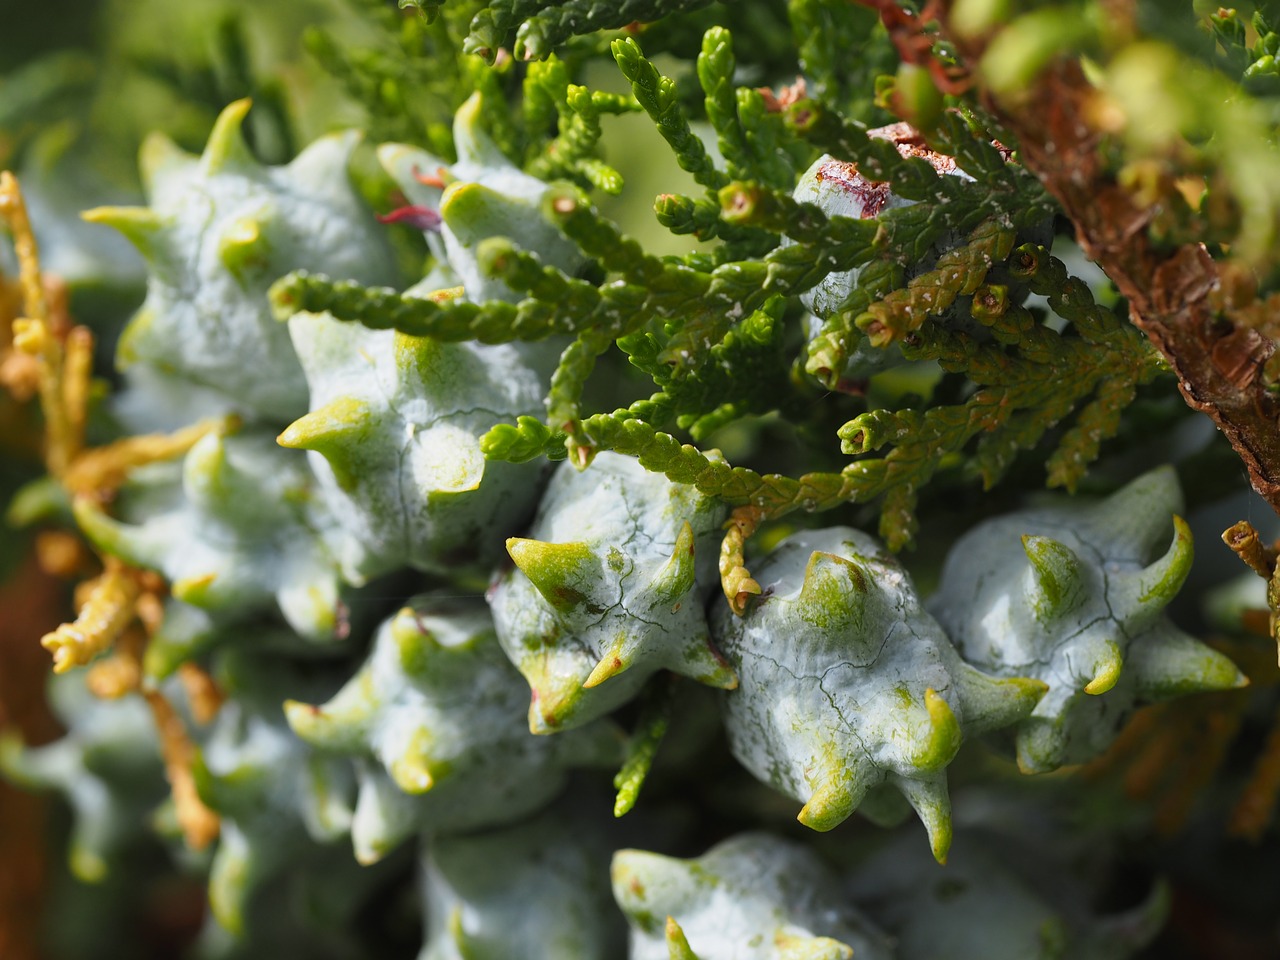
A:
(642, 746)
(531, 29)
(959, 272)
(657, 96)
(576, 112)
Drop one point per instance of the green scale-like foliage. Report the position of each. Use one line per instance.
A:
(483, 195)
(1073, 596)
(436, 718)
(219, 230)
(609, 587)
(866, 691)
(532, 28)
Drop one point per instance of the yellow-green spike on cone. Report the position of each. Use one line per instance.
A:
(673, 582)
(335, 431)
(793, 947)
(207, 477)
(1106, 670)
(243, 248)
(994, 702)
(141, 226)
(944, 736)
(1168, 663)
(413, 770)
(159, 156)
(833, 802)
(931, 802)
(704, 663)
(1153, 588)
(466, 944)
(833, 593)
(196, 590)
(614, 661)
(228, 883)
(328, 727)
(226, 148)
(470, 141)
(677, 943)
(474, 212)
(1055, 576)
(414, 642)
(554, 699)
(561, 572)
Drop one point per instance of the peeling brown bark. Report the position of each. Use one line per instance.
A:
(1218, 364)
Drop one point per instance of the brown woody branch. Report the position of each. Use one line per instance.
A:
(1218, 363)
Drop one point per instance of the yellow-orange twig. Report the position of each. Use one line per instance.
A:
(61, 554)
(1247, 543)
(1257, 805)
(99, 472)
(200, 825)
(121, 673)
(1216, 729)
(106, 612)
(202, 690)
(32, 333)
(735, 578)
(77, 374)
(14, 209)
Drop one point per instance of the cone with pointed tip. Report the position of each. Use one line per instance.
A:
(393, 438)
(416, 770)
(538, 890)
(1080, 608)
(243, 248)
(932, 803)
(218, 232)
(107, 766)
(793, 947)
(848, 684)
(280, 803)
(608, 588)
(990, 906)
(239, 533)
(450, 761)
(751, 896)
(486, 196)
